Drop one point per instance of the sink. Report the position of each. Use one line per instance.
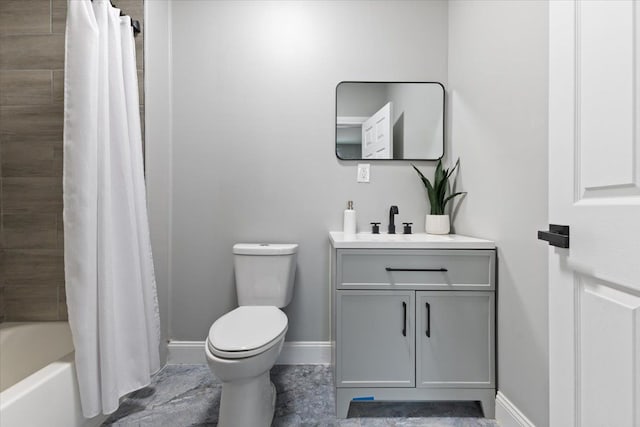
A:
(417, 237)
(408, 241)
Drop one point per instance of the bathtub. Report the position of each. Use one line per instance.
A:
(38, 384)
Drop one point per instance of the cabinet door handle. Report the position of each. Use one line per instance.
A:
(428, 332)
(404, 325)
(415, 269)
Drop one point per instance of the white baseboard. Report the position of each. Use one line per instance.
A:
(96, 421)
(293, 353)
(305, 353)
(508, 414)
(186, 353)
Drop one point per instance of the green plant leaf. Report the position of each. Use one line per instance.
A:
(454, 168)
(452, 196)
(439, 166)
(440, 186)
(433, 202)
(425, 180)
(442, 192)
(439, 176)
(430, 190)
(437, 191)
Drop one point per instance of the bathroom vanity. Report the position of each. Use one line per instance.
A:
(413, 318)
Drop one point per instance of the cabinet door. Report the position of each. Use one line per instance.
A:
(455, 341)
(375, 339)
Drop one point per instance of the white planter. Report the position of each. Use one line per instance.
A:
(437, 224)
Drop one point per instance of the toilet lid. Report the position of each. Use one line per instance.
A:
(265, 248)
(247, 328)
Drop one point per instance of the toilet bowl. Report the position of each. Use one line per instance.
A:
(244, 344)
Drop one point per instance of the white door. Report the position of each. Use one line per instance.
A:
(377, 135)
(594, 187)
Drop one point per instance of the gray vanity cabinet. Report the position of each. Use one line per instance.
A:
(414, 324)
(455, 339)
(376, 339)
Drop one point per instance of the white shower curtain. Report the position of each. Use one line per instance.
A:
(110, 283)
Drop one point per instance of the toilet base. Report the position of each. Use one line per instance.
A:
(247, 402)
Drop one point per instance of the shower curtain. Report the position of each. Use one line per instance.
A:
(110, 283)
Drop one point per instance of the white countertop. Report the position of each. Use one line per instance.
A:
(408, 241)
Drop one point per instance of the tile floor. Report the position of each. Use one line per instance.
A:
(188, 395)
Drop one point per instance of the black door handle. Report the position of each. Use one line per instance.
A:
(404, 325)
(415, 269)
(428, 319)
(558, 235)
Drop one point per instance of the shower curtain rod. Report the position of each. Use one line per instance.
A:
(135, 24)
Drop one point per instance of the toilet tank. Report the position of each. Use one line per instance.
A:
(264, 273)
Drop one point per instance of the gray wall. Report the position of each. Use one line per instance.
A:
(240, 148)
(498, 114)
(252, 157)
(158, 150)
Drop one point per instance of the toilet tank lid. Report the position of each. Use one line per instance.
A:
(265, 248)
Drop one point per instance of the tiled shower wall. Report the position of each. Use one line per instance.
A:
(31, 122)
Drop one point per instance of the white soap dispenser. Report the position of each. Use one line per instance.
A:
(349, 224)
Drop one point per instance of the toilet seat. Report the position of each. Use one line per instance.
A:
(243, 354)
(247, 331)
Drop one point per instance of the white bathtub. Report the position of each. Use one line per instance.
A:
(38, 384)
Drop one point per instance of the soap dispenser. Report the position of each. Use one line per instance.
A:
(349, 224)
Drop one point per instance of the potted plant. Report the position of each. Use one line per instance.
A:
(437, 222)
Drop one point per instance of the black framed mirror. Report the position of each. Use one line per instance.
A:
(390, 120)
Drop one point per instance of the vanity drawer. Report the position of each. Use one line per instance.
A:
(415, 269)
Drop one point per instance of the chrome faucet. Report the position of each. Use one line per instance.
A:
(392, 211)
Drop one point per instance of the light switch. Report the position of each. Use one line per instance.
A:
(363, 172)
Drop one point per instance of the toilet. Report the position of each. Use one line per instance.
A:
(244, 344)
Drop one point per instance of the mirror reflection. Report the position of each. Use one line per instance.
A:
(389, 120)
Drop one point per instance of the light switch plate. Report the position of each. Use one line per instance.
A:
(364, 170)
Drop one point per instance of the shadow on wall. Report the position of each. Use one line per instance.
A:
(398, 137)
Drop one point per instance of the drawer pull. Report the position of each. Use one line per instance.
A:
(404, 326)
(415, 269)
(428, 319)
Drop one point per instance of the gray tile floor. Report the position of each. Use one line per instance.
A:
(188, 395)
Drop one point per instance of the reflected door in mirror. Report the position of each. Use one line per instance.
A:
(389, 120)
(377, 138)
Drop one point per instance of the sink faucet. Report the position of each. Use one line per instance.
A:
(392, 211)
